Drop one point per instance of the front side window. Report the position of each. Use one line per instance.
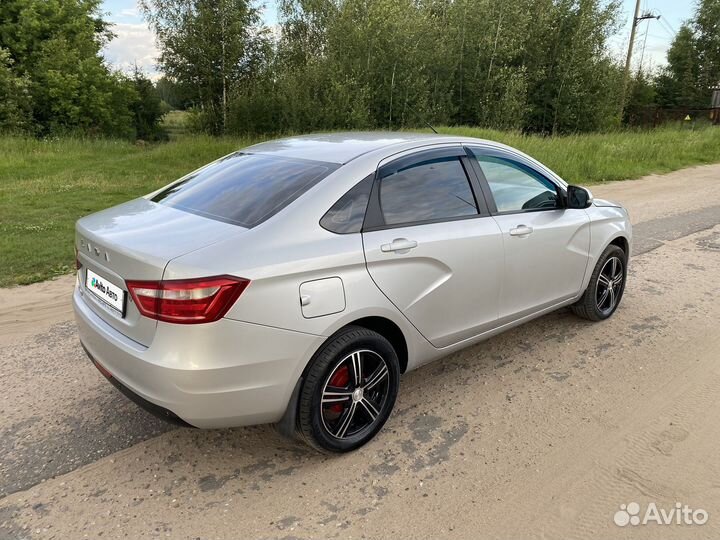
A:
(432, 190)
(244, 189)
(516, 187)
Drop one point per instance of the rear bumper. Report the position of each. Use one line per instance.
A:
(222, 374)
(153, 409)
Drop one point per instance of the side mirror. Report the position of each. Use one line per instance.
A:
(578, 197)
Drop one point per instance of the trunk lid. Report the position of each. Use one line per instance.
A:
(136, 241)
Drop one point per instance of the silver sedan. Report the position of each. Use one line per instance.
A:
(296, 280)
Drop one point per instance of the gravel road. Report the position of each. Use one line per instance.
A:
(541, 432)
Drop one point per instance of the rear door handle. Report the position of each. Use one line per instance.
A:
(399, 245)
(521, 230)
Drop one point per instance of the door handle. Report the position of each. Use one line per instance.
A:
(399, 245)
(521, 230)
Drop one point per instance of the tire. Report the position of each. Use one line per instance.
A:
(336, 413)
(595, 304)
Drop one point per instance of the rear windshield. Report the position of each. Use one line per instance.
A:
(244, 189)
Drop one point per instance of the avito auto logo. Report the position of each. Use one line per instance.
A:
(99, 285)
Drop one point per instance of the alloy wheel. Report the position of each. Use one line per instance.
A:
(354, 394)
(609, 285)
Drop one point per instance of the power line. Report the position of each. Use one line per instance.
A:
(668, 33)
(642, 54)
(667, 24)
(667, 29)
(647, 28)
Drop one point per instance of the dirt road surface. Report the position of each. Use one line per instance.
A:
(542, 432)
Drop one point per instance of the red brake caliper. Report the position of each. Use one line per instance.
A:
(340, 379)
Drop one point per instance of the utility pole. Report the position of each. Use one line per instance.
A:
(637, 18)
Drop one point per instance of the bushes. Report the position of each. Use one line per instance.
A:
(539, 66)
(53, 79)
(148, 109)
(15, 101)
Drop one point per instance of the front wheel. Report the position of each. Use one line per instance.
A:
(349, 390)
(606, 287)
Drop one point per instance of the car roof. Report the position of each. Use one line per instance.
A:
(344, 147)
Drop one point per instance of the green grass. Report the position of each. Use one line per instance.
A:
(46, 185)
(602, 157)
(174, 123)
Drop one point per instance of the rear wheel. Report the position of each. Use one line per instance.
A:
(606, 287)
(349, 390)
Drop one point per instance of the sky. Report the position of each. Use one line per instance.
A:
(659, 33)
(135, 45)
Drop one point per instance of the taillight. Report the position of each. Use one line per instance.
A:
(187, 301)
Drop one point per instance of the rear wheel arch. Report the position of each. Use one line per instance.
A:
(383, 326)
(390, 331)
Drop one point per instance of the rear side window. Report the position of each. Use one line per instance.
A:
(432, 190)
(244, 189)
(348, 213)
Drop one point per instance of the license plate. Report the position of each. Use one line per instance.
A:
(112, 295)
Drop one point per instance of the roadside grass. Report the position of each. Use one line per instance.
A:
(621, 155)
(46, 185)
(175, 123)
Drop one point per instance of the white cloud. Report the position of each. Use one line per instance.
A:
(655, 52)
(134, 45)
(130, 12)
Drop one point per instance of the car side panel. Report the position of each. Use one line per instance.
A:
(447, 286)
(548, 265)
(278, 263)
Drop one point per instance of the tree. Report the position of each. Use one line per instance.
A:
(54, 45)
(147, 109)
(176, 95)
(15, 103)
(707, 28)
(573, 83)
(678, 84)
(693, 60)
(536, 65)
(210, 46)
(642, 97)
